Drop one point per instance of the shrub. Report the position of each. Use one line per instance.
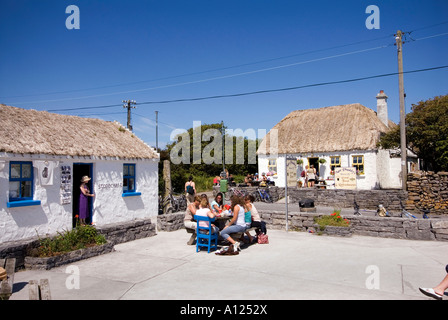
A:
(77, 238)
(334, 219)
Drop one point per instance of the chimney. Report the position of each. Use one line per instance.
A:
(381, 107)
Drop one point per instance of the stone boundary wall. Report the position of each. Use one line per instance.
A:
(171, 221)
(386, 227)
(47, 263)
(128, 231)
(340, 198)
(115, 233)
(428, 190)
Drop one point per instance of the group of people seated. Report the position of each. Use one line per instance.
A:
(255, 180)
(242, 213)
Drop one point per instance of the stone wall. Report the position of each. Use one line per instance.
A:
(428, 190)
(398, 228)
(340, 198)
(170, 221)
(128, 231)
(115, 233)
(387, 227)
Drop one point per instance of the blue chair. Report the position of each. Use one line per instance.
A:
(205, 235)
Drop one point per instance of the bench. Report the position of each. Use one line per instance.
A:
(39, 291)
(237, 236)
(6, 285)
(193, 236)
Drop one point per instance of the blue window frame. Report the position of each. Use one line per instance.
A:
(20, 181)
(128, 178)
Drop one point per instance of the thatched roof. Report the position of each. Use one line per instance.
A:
(40, 132)
(337, 128)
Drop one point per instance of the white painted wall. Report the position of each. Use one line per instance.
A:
(364, 182)
(51, 216)
(109, 206)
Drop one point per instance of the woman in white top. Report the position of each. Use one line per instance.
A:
(237, 223)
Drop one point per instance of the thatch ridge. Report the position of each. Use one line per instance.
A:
(28, 131)
(329, 129)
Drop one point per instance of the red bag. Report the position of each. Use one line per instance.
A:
(262, 238)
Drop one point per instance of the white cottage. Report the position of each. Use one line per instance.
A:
(331, 137)
(43, 157)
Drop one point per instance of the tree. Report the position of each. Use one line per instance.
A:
(206, 160)
(426, 133)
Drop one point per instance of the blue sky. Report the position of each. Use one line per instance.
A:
(152, 51)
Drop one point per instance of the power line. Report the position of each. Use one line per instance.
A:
(83, 108)
(206, 71)
(266, 91)
(290, 88)
(242, 73)
(214, 78)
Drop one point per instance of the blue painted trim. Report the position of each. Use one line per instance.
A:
(131, 194)
(23, 203)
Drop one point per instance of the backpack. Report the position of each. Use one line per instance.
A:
(190, 190)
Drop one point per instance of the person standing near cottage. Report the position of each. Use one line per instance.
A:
(311, 175)
(84, 200)
(190, 190)
(304, 178)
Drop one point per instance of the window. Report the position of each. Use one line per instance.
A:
(272, 165)
(334, 163)
(128, 178)
(358, 163)
(20, 181)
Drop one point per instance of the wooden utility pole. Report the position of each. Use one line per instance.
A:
(404, 169)
(167, 179)
(157, 131)
(129, 104)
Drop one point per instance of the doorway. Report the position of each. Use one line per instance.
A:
(315, 163)
(80, 170)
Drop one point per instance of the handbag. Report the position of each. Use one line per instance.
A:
(263, 238)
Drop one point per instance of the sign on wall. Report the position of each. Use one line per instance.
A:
(345, 177)
(66, 184)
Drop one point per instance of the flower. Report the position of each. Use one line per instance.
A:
(334, 219)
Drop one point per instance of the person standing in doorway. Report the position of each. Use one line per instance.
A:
(190, 190)
(84, 200)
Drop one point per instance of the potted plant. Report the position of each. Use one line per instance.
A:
(333, 224)
(66, 247)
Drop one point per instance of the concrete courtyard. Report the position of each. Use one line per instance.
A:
(294, 265)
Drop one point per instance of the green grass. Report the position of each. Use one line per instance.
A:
(77, 238)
